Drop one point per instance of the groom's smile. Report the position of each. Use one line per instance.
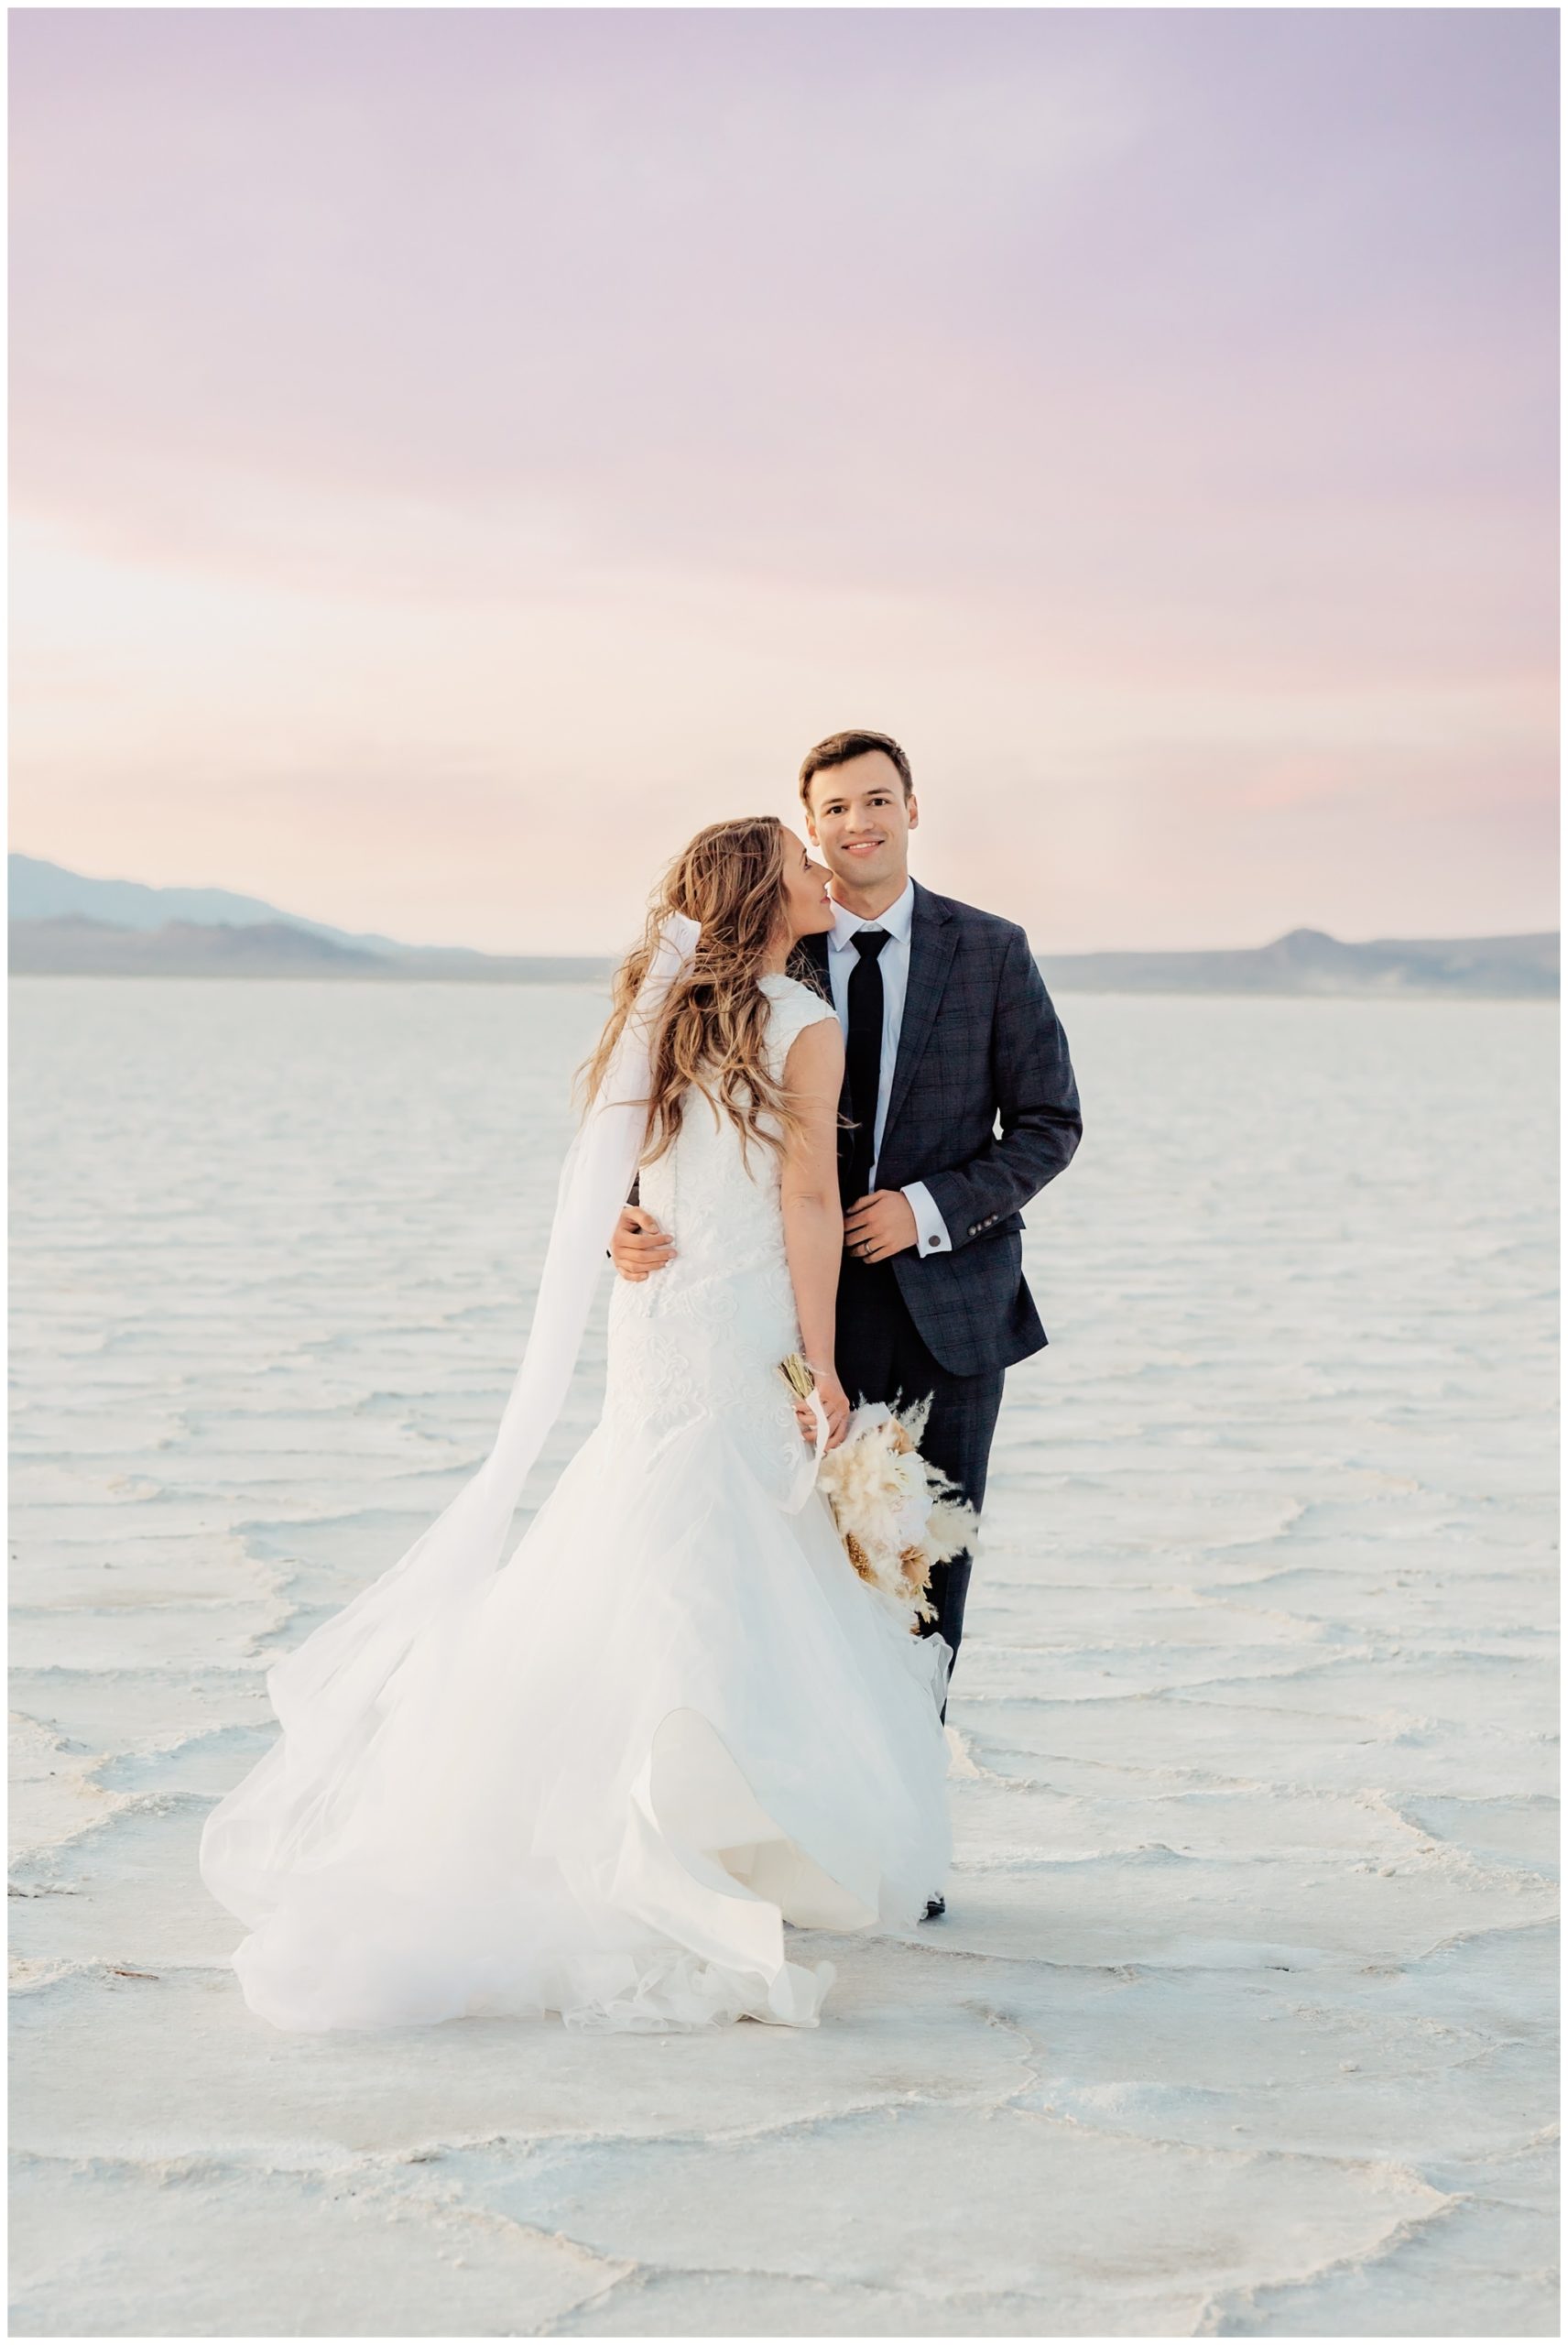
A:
(860, 816)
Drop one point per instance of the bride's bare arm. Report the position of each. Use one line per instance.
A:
(813, 1218)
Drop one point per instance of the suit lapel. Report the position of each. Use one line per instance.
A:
(933, 940)
(815, 949)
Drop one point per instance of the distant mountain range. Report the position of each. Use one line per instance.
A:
(1307, 961)
(66, 924)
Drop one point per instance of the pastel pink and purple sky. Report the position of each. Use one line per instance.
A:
(457, 452)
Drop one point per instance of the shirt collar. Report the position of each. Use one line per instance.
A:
(897, 919)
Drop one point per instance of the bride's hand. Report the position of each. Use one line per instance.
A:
(835, 1408)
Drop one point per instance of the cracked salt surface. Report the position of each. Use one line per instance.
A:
(1240, 2023)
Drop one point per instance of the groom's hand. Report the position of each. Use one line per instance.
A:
(880, 1225)
(639, 1245)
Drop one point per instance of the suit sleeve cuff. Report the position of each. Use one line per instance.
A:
(930, 1230)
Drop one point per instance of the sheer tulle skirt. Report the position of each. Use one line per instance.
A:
(673, 1723)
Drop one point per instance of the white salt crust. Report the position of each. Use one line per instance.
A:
(1240, 2022)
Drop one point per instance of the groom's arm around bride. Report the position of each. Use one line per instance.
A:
(960, 1105)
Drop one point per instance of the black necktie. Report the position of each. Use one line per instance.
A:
(862, 1061)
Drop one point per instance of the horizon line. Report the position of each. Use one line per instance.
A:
(612, 952)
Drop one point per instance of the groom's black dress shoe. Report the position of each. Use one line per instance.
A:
(935, 1908)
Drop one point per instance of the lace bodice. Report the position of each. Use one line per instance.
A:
(703, 1335)
(721, 1205)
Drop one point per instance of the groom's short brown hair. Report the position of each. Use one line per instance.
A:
(837, 751)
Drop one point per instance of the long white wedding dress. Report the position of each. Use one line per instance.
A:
(602, 1783)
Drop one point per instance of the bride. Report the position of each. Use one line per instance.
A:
(600, 1779)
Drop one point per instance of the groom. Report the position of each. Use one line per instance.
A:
(949, 1033)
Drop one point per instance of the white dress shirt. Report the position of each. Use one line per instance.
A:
(893, 961)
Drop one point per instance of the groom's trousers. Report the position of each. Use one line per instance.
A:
(881, 1356)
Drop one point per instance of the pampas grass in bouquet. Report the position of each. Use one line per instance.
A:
(897, 1514)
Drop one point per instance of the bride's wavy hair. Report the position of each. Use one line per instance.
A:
(713, 1031)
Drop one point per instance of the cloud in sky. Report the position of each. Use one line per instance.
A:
(457, 452)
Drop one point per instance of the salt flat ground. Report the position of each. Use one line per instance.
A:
(1239, 2024)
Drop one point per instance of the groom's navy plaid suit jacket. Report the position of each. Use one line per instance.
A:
(984, 1109)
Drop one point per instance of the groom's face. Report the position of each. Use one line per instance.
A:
(860, 820)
